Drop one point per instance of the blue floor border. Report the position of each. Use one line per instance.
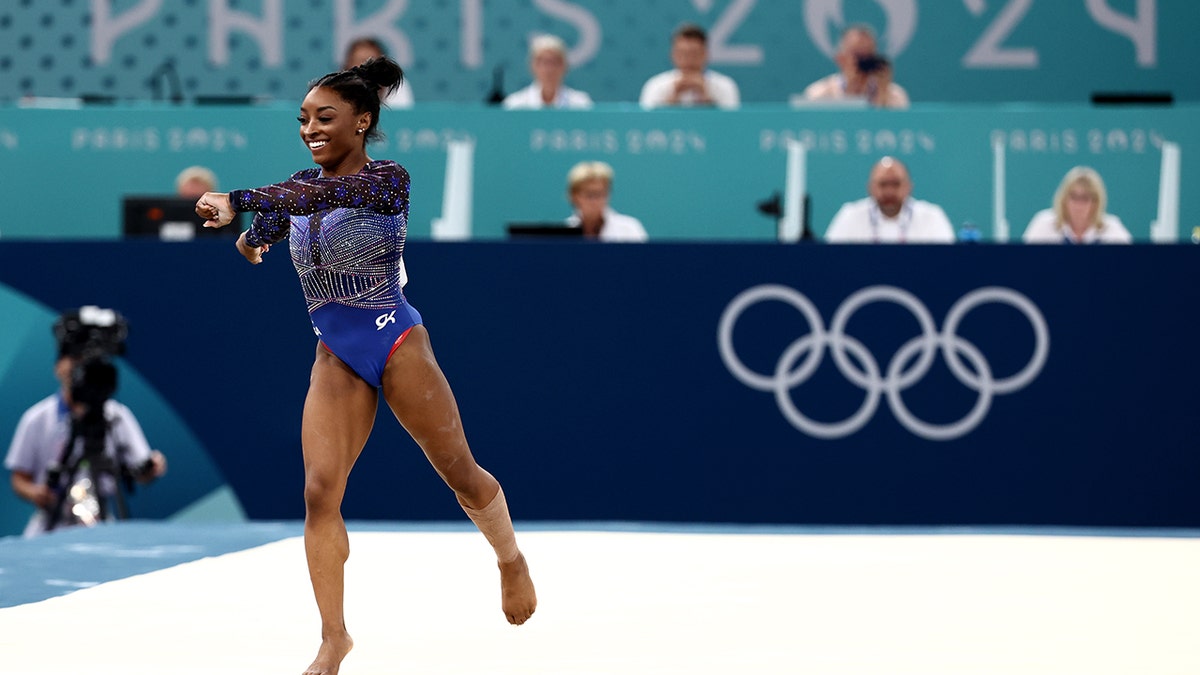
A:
(32, 570)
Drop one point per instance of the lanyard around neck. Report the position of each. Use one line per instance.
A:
(905, 219)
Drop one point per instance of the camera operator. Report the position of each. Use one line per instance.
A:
(864, 73)
(74, 485)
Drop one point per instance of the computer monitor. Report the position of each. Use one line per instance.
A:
(170, 218)
(556, 229)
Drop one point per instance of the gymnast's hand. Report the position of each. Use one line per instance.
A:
(215, 208)
(251, 253)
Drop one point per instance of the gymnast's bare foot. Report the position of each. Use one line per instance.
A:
(517, 597)
(330, 655)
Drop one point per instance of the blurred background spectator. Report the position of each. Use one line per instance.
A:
(864, 73)
(890, 214)
(365, 48)
(589, 187)
(194, 181)
(548, 64)
(1078, 215)
(690, 83)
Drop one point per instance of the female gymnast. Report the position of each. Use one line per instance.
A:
(346, 223)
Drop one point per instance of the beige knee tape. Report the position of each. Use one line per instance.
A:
(495, 524)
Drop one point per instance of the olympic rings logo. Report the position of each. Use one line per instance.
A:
(801, 359)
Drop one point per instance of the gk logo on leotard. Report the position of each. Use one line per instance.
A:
(384, 319)
(863, 370)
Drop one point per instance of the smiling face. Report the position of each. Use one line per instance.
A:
(329, 127)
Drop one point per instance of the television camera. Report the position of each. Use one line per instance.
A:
(86, 470)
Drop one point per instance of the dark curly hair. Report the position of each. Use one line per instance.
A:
(364, 87)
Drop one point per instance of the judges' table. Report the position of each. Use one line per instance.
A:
(968, 384)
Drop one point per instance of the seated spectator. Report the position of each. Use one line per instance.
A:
(365, 48)
(691, 83)
(890, 214)
(864, 73)
(589, 186)
(548, 63)
(1078, 215)
(194, 181)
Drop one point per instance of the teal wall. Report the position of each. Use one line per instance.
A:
(686, 174)
(945, 50)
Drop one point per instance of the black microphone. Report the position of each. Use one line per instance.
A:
(496, 95)
(166, 72)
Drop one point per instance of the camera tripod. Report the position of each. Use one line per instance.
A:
(78, 475)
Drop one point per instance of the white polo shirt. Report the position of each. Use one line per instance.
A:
(833, 88)
(617, 227)
(1045, 229)
(721, 88)
(401, 98)
(919, 222)
(530, 98)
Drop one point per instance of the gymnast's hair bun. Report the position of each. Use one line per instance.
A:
(381, 73)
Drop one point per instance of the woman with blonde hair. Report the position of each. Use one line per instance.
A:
(589, 186)
(1078, 215)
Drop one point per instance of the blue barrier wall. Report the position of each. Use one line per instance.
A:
(944, 50)
(686, 174)
(858, 385)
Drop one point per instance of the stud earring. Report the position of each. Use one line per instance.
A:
(359, 131)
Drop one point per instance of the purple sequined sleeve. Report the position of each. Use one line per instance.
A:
(268, 228)
(381, 187)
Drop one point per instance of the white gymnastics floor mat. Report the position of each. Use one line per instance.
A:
(652, 603)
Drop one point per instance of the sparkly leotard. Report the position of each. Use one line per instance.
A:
(347, 242)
